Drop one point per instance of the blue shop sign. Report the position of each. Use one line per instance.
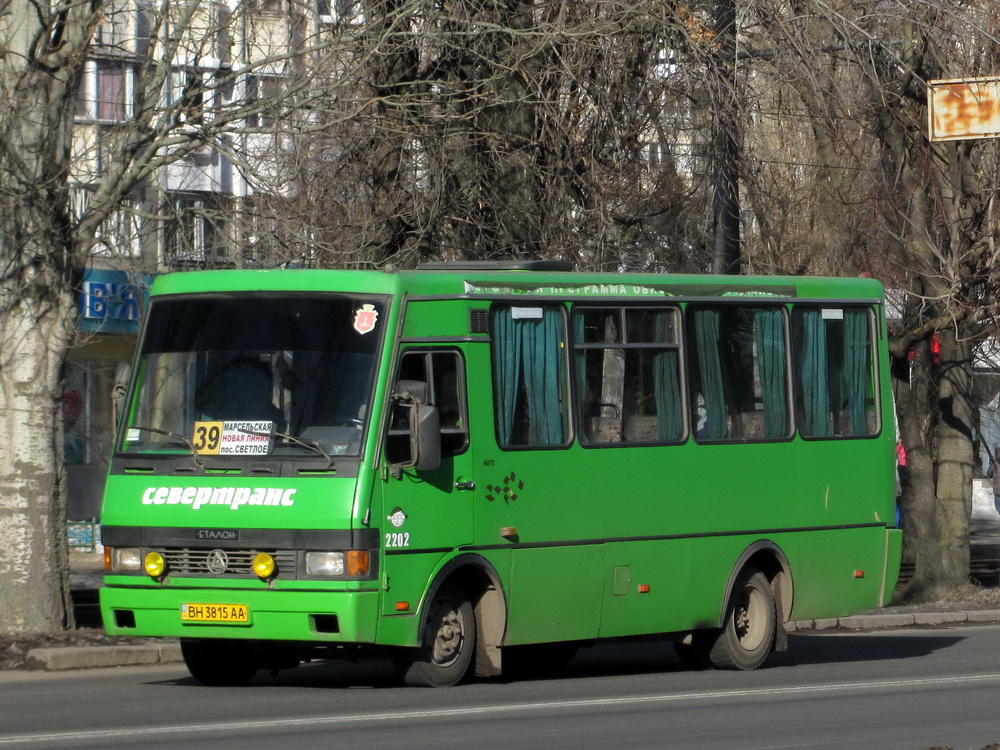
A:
(111, 301)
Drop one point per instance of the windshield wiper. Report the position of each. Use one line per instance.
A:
(311, 445)
(175, 436)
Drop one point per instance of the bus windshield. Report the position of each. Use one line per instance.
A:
(256, 375)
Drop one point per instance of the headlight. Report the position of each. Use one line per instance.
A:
(126, 558)
(325, 563)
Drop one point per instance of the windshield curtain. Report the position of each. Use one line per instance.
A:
(256, 374)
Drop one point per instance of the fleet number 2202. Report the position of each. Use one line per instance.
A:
(397, 540)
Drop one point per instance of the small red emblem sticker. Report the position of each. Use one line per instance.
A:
(365, 319)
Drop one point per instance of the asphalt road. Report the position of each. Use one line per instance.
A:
(896, 689)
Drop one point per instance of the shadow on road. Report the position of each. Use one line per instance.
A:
(626, 658)
(827, 648)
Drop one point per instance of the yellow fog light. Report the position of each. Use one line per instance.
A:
(263, 565)
(155, 565)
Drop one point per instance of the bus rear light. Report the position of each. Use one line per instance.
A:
(357, 562)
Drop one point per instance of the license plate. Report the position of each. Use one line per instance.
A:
(234, 613)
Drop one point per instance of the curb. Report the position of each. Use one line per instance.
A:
(876, 621)
(91, 657)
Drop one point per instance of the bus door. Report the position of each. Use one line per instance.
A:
(426, 513)
(537, 504)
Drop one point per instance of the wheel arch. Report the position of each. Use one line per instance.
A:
(476, 576)
(768, 558)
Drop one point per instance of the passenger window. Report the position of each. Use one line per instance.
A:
(835, 372)
(529, 375)
(738, 373)
(627, 369)
(444, 374)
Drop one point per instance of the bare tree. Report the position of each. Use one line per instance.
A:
(61, 186)
(507, 128)
(843, 179)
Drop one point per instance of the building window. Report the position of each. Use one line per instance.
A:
(265, 94)
(196, 232)
(112, 102)
(186, 95)
(105, 92)
(118, 26)
(340, 11)
(267, 6)
(121, 234)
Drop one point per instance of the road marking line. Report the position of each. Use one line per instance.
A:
(317, 721)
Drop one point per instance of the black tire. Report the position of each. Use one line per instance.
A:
(538, 659)
(447, 643)
(219, 663)
(749, 626)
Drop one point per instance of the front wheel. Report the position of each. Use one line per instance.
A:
(447, 643)
(749, 626)
(219, 663)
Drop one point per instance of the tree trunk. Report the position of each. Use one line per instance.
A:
(914, 395)
(954, 463)
(34, 570)
(935, 412)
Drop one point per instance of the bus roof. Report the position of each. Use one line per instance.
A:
(470, 280)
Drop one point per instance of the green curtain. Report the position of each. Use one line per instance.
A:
(580, 366)
(507, 369)
(814, 375)
(669, 420)
(529, 350)
(770, 334)
(706, 327)
(542, 377)
(856, 368)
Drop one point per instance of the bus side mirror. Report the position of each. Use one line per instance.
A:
(425, 438)
(424, 423)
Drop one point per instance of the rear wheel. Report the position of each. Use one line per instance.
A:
(749, 626)
(447, 643)
(219, 663)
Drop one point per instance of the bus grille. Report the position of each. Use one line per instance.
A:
(188, 561)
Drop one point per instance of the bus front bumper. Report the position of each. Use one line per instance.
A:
(321, 617)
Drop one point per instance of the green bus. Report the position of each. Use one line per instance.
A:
(473, 467)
